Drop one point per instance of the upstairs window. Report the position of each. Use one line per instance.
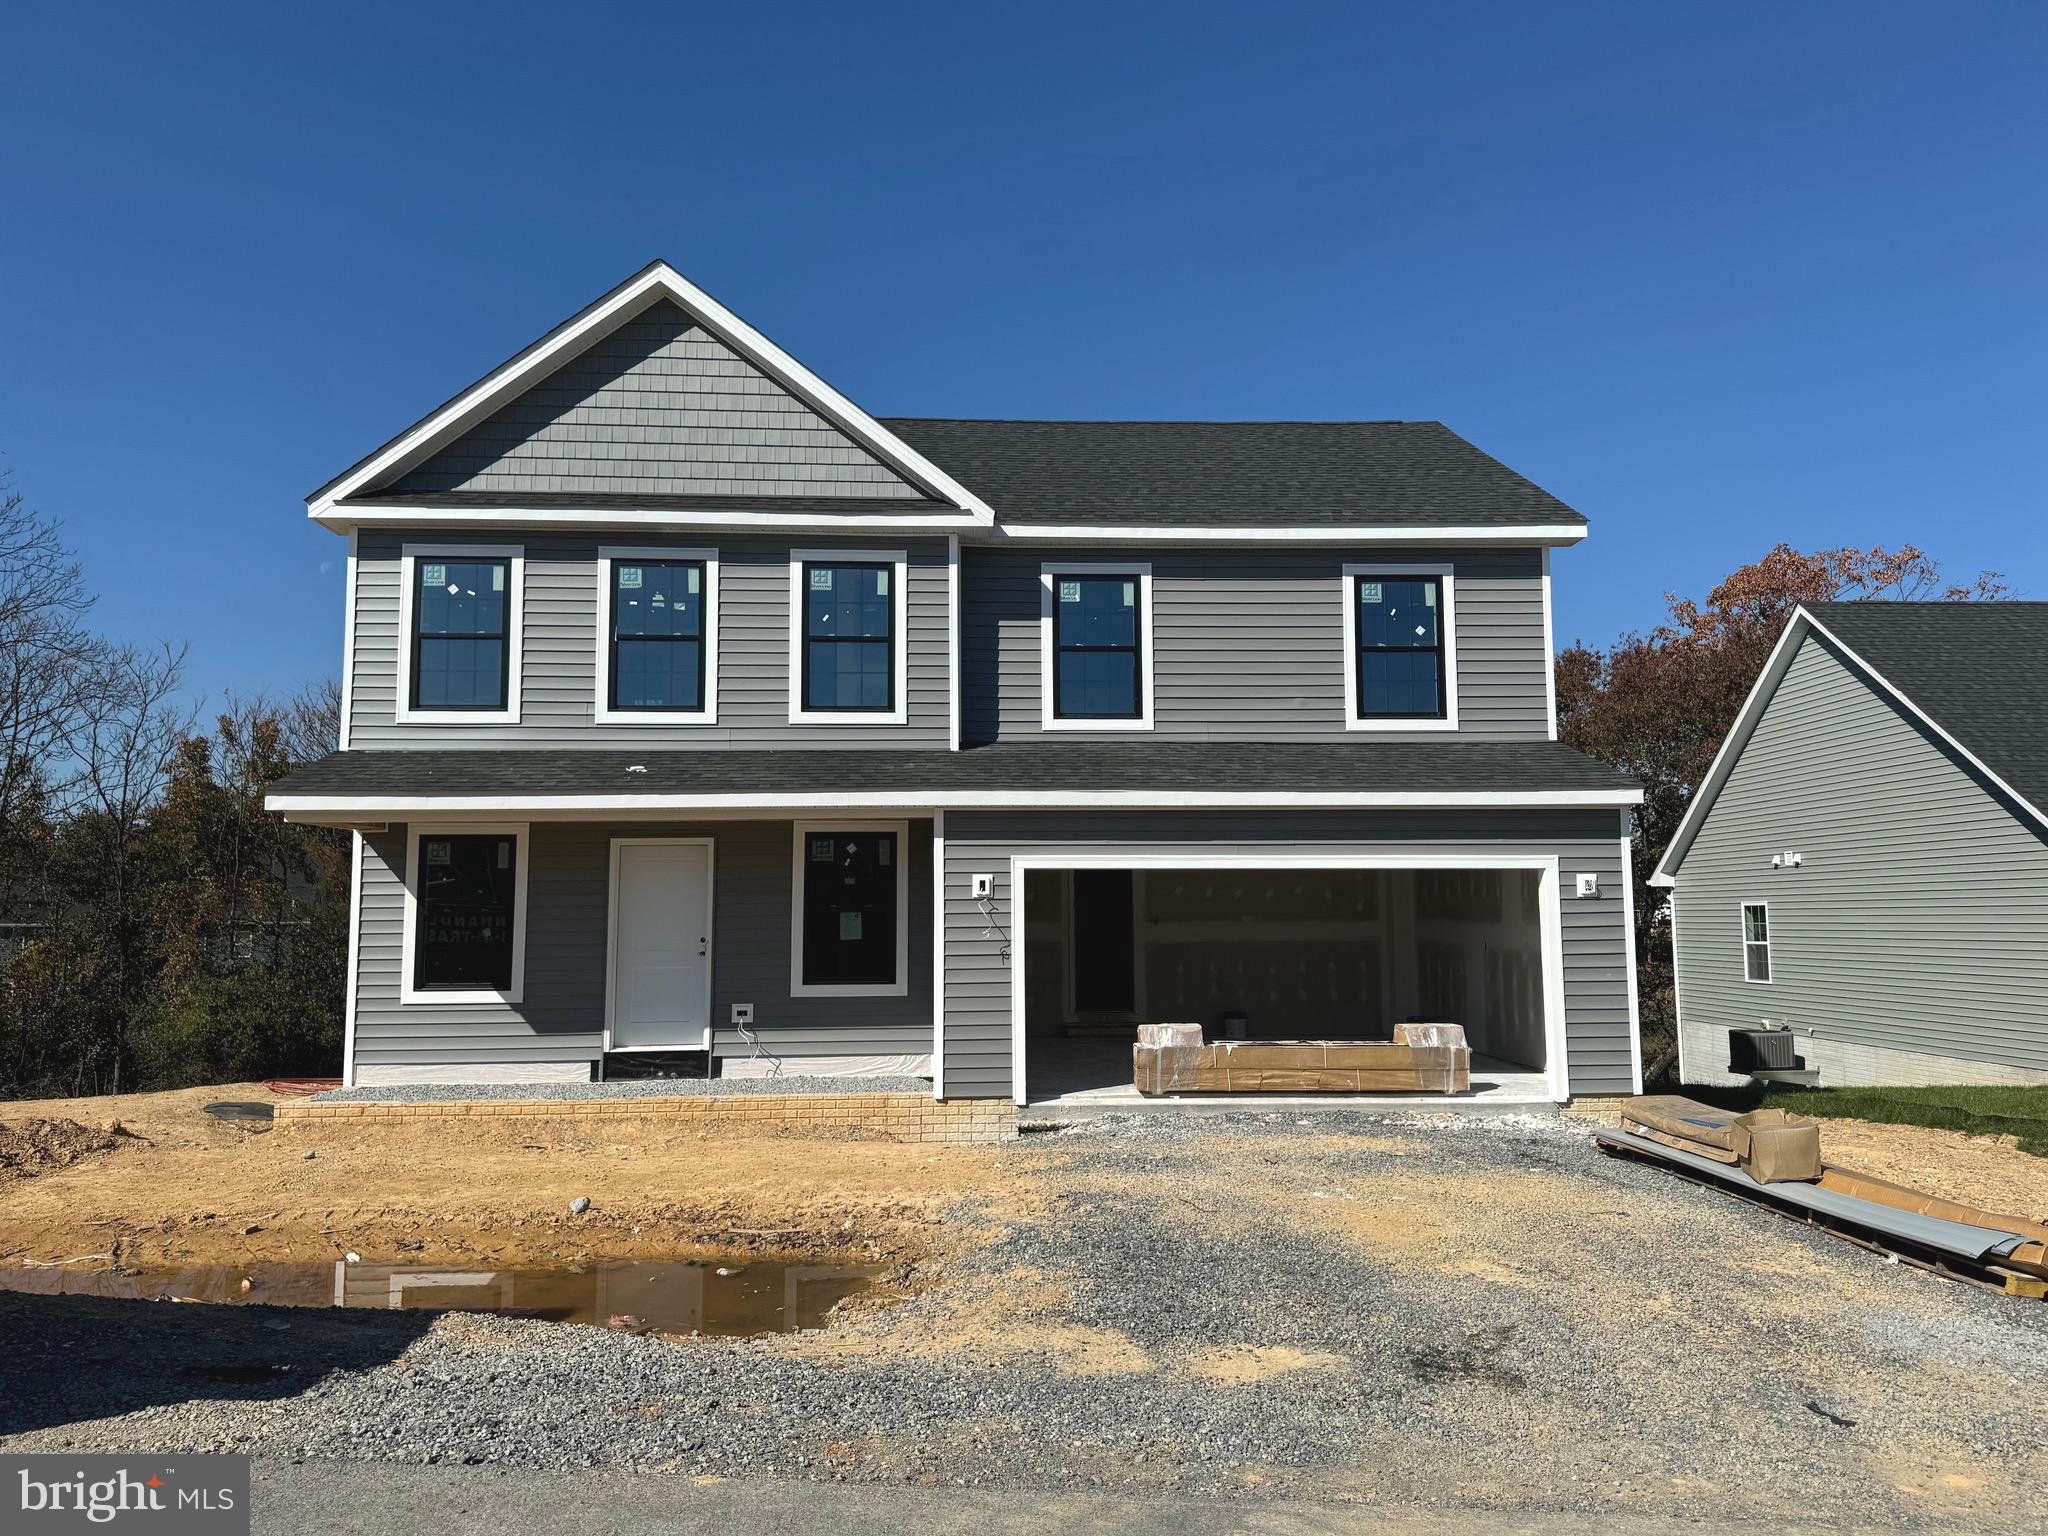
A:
(1756, 941)
(1095, 646)
(847, 637)
(462, 632)
(1400, 662)
(657, 638)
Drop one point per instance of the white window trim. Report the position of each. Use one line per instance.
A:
(799, 867)
(1742, 921)
(515, 622)
(1447, 621)
(1048, 577)
(611, 936)
(607, 713)
(440, 997)
(899, 620)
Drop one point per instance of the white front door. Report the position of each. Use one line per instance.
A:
(661, 944)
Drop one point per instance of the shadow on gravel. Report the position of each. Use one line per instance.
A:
(71, 1358)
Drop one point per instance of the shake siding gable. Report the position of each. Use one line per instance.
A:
(658, 407)
(1917, 918)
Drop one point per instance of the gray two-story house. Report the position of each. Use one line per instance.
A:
(689, 708)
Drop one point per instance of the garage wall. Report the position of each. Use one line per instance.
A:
(981, 945)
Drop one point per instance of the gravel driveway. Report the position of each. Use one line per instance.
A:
(1474, 1315)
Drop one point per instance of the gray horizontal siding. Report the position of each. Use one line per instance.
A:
(561, 1017)
(1918, 918)
(1250, 643)
(1598, 1027)
(659, 407)
(558, 660)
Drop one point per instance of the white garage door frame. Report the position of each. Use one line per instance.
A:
(1550, 916)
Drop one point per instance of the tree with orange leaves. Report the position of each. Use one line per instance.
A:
(1659, 705)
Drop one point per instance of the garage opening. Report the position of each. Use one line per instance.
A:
(1280, 954)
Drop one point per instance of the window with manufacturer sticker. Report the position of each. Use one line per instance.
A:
(657, 639)
(1097, 665)
(467, 888)
(849, 639)
(461, 641)
(1400, 658)
(848, 909)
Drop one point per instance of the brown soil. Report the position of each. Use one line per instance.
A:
(32, 1147)
(187, 1188)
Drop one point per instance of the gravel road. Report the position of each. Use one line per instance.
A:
(1468, 1316)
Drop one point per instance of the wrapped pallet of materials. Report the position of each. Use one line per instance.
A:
(1700, 1129)
(1412, 1033)
(1167, 1058)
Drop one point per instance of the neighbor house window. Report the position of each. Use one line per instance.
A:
(461, 636)
(1400, 664)
(465, 917)
(1756, 941)
(847, 638)
(1095, 623)
(851, 926)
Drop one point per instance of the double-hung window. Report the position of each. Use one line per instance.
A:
(465, 915)
(1756, 941)
(1096, 646)
(850, 911)
(847, 636)
(461, 637)
(1400, 648)
(657, 647)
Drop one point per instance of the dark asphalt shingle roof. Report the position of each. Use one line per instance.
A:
(996, 769)
(1978, 670)
(1231, 474)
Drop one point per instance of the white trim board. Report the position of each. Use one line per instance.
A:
(409, 556)
(607, 713)
(572, 806)
(355, 954)
(1550, 915)
(649, 286)
(522, 858)
(939, 955)
(1048, 574)
(635, 519)
(1447, 625)
(348, 645)
(1628, 941)
(1776, 666)
(898, 562)
(799, 867)
(611, 932)
(1550, 660)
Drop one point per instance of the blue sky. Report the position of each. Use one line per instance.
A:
(1716, 275)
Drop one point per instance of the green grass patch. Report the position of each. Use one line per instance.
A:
(2021, 1112)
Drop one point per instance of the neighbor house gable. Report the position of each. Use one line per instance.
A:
(657, 396)
(1804, 632)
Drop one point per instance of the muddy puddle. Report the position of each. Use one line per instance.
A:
(672, 1298)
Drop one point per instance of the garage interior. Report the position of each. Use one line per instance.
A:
(1279, 954)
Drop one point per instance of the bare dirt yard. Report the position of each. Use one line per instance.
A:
(1426, 1315)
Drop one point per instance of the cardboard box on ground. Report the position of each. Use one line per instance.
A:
(1771, 1146)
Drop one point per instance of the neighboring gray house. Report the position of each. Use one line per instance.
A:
(689, 708)
(1867, 861)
